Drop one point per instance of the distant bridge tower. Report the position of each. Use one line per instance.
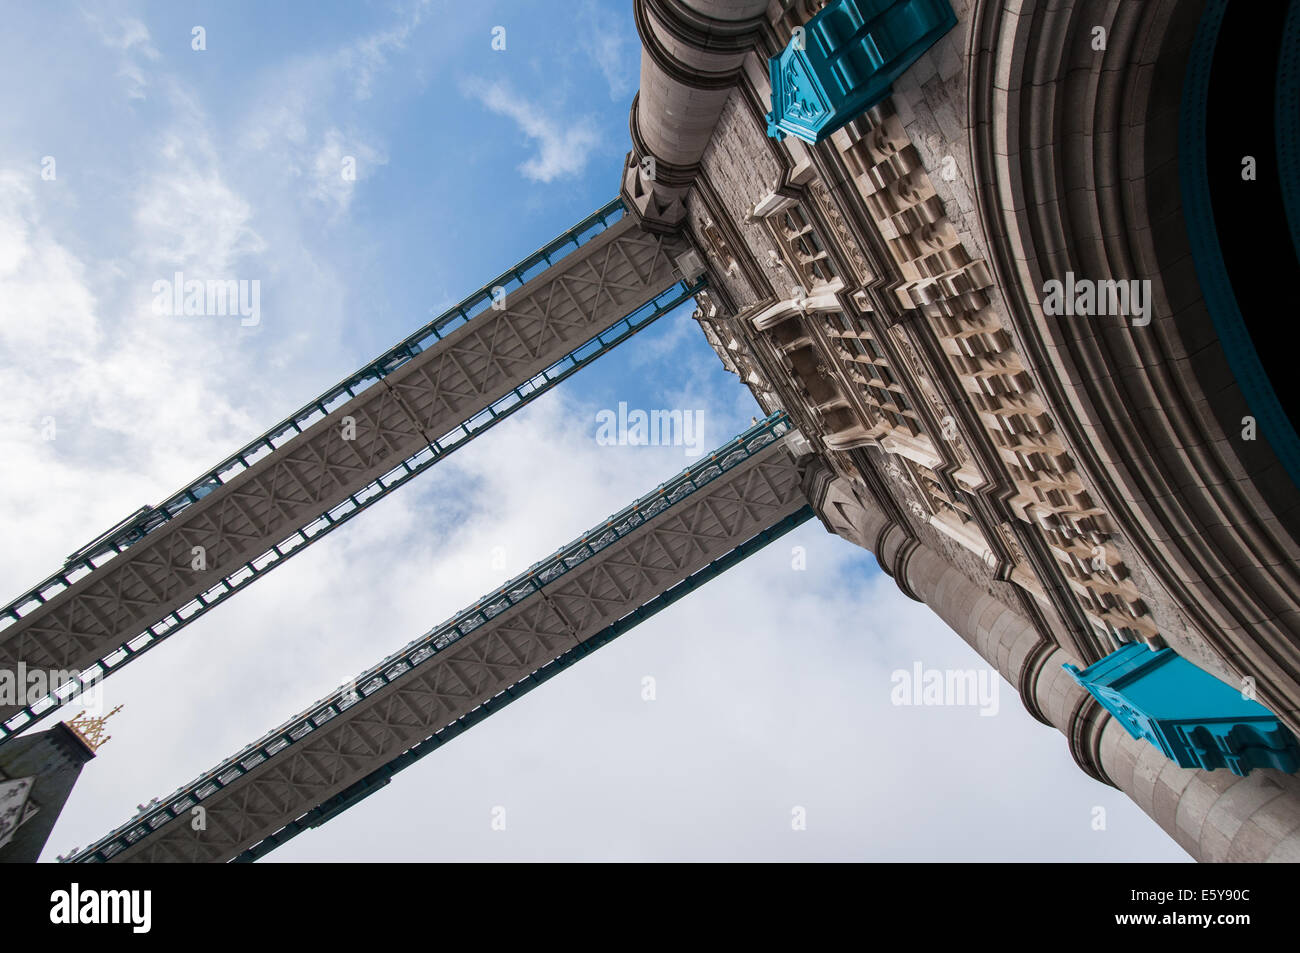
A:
(37, 773)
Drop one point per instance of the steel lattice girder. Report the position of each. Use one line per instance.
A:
(300, 482)
(148, 518)
(740, 491)
(358, 791)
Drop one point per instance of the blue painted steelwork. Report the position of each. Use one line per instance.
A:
(849, 56)
(377, 489)
(148, 518)
(521, 587)
(1195, 719)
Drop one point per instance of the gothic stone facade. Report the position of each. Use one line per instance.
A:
(1050, 486)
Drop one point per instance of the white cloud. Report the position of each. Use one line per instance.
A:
(563, 146)
(293, 135)
(130, 38)
(338, 165)
(190, 217)
(81, 351)
(139, 401)
(369, 55)
(607, 37)
(303, 131)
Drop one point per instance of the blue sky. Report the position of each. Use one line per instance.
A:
(773, 683)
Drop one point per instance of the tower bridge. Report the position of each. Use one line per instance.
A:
(867, 199)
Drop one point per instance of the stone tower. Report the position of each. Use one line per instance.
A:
(986, 303)
(37, 773)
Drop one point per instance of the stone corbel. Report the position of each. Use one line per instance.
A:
(823, 298)
(770, 204)
(911, 448)
(852, 438)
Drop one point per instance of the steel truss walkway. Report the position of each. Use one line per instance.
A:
(351, 742)
(132, 587)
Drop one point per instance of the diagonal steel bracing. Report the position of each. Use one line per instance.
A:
(136, 526)
(364, 446)
(359, 790)
(583, 592)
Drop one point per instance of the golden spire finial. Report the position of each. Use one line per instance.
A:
(91, 730)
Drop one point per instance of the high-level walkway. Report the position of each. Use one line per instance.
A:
(512, 340)
(350, 743)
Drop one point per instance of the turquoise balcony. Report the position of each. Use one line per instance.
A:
(846, 61)
(1195, 719)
